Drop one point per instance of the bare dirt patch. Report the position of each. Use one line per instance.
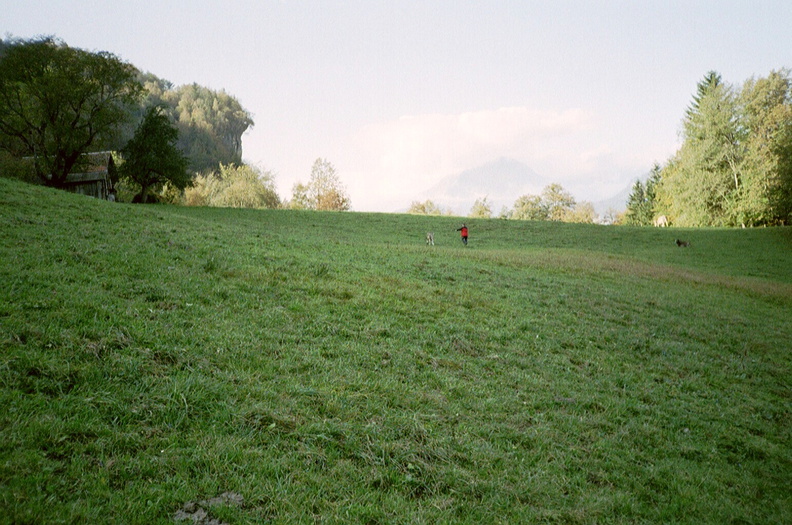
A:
(196, 511)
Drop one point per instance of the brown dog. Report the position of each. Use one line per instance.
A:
(682, 244)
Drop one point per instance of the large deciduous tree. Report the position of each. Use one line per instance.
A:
(583, 212)
(529, 208)
(766, 108)
(300, 200)
(151, 157)
(58, 102)
(558, 202)
(481, 209)
(324, 190)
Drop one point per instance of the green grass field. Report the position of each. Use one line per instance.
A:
(332, 368)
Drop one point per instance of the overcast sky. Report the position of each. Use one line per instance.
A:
(398, 94)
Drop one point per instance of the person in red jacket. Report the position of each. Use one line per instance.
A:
(464, 231)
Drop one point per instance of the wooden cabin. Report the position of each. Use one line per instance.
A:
(98, 178)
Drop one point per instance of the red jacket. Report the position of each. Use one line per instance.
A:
(464, 231)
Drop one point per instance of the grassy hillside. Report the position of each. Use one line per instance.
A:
(330, 367)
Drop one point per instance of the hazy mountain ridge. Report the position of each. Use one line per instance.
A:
(500, 181)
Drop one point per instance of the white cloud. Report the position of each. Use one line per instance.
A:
(388, 163)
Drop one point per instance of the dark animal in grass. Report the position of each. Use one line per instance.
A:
(682, 244)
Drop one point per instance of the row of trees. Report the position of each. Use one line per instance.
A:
(734, 167)
(553, 204)
(232, 186)
(242, 186)
(58, 103)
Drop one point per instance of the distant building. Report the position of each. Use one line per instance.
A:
(98, 180)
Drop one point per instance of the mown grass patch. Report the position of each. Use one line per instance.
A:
(331, 367)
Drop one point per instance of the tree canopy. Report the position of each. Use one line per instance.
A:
(427, 207)
(58, 102)
(324, 190)
(734, 167)
(554, 204)
(210, 123)
(558, 202)
(234, 186)
(481, 209)
(641, 202)
(151, 157)
(529, 208)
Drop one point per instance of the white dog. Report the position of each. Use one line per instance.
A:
(430, 238)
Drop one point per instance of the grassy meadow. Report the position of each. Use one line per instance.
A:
(332, 368)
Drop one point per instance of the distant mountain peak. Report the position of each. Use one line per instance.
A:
(501, 181)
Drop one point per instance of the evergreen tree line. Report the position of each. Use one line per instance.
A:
(734, 167)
